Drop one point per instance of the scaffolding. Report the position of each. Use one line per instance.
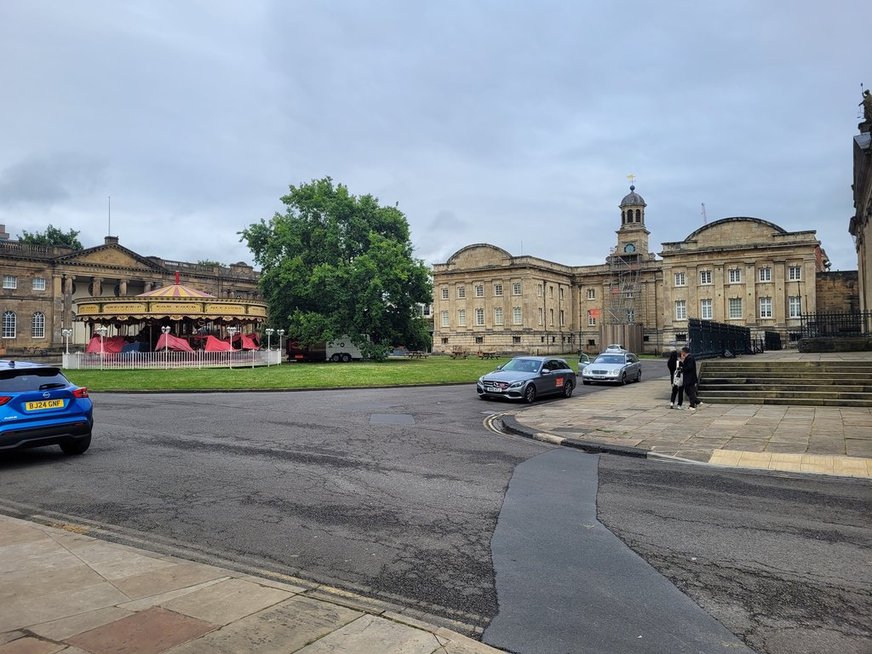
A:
(623, 290)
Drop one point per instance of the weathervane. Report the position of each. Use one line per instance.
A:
(632, 178)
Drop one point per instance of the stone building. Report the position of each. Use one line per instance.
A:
(860, 226)
(41, 284)
(742, 271)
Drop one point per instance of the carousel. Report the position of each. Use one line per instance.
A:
(174, 326)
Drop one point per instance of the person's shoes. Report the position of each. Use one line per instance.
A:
(680, 407)
(672, 405)
(693, 408)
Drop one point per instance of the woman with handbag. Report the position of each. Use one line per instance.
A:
(677, 383)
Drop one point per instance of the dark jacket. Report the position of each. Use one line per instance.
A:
(672, 363)
(688, 367)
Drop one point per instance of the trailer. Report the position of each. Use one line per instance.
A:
(339, 350)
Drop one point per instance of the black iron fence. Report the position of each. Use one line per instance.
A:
(771, 340)
(715, 339)
(855, 323)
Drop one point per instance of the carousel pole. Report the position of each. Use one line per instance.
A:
(166, 332)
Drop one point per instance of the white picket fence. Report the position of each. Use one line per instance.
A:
(170, 359)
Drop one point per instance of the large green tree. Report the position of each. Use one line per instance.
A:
(51, 237)
(336, 264)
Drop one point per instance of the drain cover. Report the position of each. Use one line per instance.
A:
(392, 419)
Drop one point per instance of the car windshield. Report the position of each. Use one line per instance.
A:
(522, 365)
(610, 358)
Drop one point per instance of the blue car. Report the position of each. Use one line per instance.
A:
(39, 406)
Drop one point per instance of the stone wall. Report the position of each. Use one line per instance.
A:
(837, 292)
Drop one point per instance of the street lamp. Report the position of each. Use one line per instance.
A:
(102, 331)
(232, 331)
(66, 333)
(269, 332)
(280, 332)
(165, 330)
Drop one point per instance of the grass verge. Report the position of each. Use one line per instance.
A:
(294, 376)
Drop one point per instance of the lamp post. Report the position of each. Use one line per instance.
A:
(280, 332)
(165, 330)
(232, 331)
(269, 332)
(66, 333)
(102, 331)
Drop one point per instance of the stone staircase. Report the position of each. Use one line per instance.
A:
(812, 383)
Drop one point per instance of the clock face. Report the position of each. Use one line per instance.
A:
(629, 248)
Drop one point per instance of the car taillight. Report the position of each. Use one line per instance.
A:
(4, 399)
(80, 392)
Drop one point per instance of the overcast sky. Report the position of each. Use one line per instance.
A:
(511, 123)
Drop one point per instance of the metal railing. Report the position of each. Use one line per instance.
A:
(713, 339)
(833, 324)
(170, 360)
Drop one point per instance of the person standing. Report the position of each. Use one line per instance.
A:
(690, 377)
(673, 363)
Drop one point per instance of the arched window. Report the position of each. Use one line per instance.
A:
(638, 215)
(37, 325)
(9, 324)
(623, 217)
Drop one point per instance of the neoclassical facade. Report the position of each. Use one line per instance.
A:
(41, 286)
(740, 270)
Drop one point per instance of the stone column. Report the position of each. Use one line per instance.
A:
(96, 286)
(122, 287)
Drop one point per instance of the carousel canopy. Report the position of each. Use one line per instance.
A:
(175, 290)
(174, 302)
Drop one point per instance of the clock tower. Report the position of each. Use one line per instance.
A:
(632, 236)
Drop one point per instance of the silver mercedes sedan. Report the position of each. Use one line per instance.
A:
(613, 367)
(528, 377)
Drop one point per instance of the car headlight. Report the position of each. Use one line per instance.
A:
(516, 384)
(481, 380)
(613, 373)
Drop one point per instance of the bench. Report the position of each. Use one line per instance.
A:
(459, 354)
(417, 354)
(488, 355)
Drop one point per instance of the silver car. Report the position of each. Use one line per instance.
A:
(526, 378)
(613, 367)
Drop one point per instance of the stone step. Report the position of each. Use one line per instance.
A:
(749, 385)
(786, 392)
(824, 378)
(792, 401)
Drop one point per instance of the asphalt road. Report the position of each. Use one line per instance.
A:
(402, 494)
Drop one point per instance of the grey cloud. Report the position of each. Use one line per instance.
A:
(47, 181)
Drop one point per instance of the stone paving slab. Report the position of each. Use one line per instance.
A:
(150, 604)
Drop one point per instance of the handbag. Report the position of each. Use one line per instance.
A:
(677, 379)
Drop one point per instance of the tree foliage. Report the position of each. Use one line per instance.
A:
(52, 237)
(336, 264)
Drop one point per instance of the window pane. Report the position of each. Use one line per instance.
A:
(38, 325)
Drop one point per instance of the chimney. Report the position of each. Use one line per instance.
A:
(110, 240)
(3, 235)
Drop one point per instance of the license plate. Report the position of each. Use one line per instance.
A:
(493, 389)
(44, 404)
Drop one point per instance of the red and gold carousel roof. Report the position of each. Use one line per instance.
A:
(175, 290)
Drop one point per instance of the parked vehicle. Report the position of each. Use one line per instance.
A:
(528, 377)
(613, 367)
(342, 349)
(39, 406)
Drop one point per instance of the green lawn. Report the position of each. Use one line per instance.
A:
(394, 372)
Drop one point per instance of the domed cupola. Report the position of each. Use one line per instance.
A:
(632, 208)
(633, 236)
